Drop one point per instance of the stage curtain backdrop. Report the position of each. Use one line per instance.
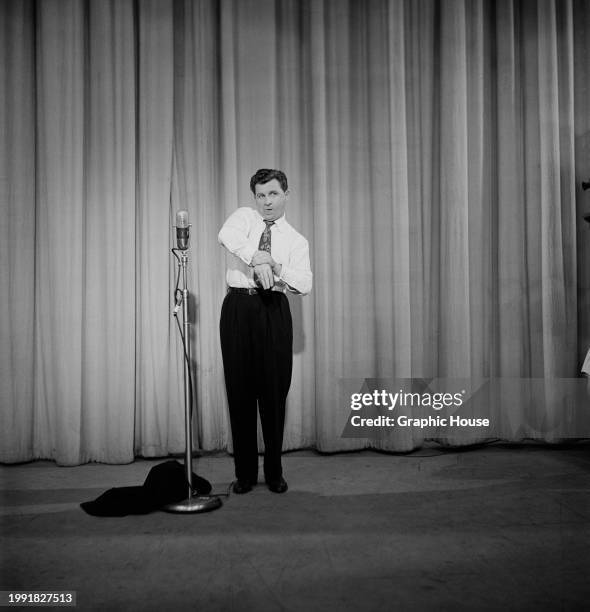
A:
(432, 150)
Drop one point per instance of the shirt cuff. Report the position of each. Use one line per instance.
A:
(246, 253)
(292, 280)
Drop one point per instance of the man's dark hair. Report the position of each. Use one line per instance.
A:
(265, 175)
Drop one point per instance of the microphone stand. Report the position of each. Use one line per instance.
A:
(194, 502)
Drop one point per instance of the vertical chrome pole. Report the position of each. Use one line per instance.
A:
(192, 503)
(188, 409)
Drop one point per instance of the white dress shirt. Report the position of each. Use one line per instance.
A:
(240, 235)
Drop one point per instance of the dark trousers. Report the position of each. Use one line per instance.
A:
(257, 348)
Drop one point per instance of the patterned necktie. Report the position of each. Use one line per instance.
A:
(264, 244)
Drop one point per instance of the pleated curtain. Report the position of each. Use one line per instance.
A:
(434, 151)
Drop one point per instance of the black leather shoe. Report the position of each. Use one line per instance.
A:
(242, 486)
(278, 486)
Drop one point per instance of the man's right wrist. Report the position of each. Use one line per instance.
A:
(247, 256)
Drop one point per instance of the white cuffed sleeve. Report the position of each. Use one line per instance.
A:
(234, 235)
(297, 273)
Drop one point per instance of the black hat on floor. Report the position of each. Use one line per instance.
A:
(165, 484)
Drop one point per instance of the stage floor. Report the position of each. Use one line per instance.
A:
(496, 527)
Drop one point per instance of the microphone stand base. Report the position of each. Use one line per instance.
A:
(192, 505)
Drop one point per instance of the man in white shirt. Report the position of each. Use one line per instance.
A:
(268, 258)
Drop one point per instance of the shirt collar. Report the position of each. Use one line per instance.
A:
(279, 223)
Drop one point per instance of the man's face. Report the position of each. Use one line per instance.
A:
(270, 199)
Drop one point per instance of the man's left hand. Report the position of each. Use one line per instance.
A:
(264, 276)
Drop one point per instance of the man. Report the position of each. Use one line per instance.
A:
(269, 257)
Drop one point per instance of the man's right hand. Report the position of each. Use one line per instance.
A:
(263, 276)
(261, 257)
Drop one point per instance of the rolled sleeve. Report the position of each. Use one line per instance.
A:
(234, 236)
(297, 273)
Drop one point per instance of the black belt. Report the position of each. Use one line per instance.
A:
(254, 290)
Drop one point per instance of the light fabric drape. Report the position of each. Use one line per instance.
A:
(434, 150)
